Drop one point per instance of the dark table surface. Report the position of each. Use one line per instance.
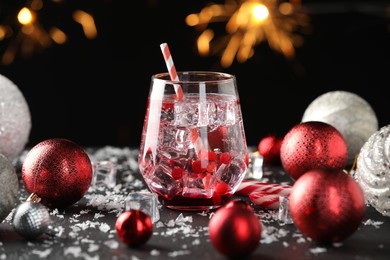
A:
(89, 227)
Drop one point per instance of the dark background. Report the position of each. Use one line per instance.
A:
(94, 91)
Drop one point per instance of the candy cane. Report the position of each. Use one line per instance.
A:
(265, 200)
(263, 193)
(270, 201)
(247, 187)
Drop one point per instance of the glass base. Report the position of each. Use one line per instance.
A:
(193, 204)
(192, 208)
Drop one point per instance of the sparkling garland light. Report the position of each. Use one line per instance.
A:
(24, 34)
(248, 23)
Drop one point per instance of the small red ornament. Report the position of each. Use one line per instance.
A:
(58, 171)
(234, 230)
(327, 206)
(269, 148)
(313, 145)
(238, 204)
(134, 227)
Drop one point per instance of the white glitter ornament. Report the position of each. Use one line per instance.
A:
(373, 170)
(9, 187)
(349, 113)
(15, 119)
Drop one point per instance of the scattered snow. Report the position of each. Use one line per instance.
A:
(103, 202)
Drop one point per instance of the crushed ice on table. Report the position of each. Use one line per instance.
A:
(318, 250)
(373, 223)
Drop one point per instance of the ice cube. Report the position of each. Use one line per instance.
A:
(195, 186)
(284, 216)
(186, 114)
(144, 201)
(104, 174)
(163, 181)
(255, 169)
(231, 115)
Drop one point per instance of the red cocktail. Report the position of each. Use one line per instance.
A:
(193, 151)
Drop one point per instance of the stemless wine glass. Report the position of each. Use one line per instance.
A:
(193, 151)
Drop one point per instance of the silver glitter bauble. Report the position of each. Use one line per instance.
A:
(15, 119)
(31, 219)
(9, 187)
(350, 114)
(373, 170)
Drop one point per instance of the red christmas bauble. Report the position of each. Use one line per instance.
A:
(269, 148)
(327, 206)
(313, 145)
(235, 230)
(134, 227)
(238, 204)
(58, 171)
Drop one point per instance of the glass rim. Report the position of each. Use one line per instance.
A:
(219, 77)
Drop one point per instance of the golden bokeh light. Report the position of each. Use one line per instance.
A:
(24, 35)
(57, 35)
(247, 24)
(87, 22)
(203, 42)
(25, 16)
(260, 12)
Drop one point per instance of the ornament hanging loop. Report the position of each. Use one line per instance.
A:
(34, 198)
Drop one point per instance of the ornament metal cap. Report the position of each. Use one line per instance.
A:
(34, 198)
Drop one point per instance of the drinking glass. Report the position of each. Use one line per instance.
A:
(193, 151)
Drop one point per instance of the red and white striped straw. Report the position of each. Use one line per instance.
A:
(195, 137)
(171, 69)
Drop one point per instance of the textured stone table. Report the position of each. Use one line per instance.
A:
(89, 227)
